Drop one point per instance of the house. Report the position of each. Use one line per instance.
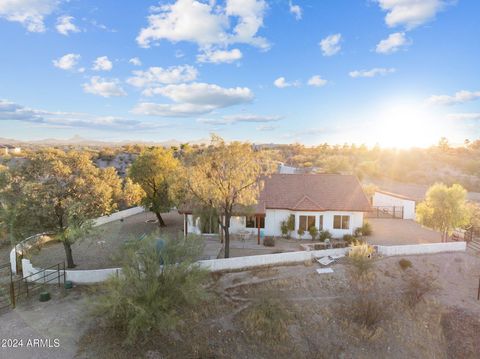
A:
(330, 202)
(9, 149)
(399, 206)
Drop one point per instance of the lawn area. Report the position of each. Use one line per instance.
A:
(104, 249)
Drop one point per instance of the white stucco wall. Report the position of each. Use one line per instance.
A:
(274, 217)
(383, 199)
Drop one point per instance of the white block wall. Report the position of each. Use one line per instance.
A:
(386, 200)
(422, 248)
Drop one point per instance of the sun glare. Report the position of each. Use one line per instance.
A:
(404, 126)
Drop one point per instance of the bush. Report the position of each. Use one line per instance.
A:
(366, 229)
(404, 263)
(300, 233)
(349, 238)
(148, 297)
(324, 235)
(268, 318)
(360, 257)
(313, 232)
(269, 242)
(417, 286)
(284, 228)
(367, 309)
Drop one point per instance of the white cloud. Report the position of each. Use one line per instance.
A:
(10, 111)
(104, 87)
(65, 25)
(295, 10)
(266, 128)
(392, 43)
(331, 44)
(157, 76)
(458, 98)
(206, 23)
(193, 99)
(220, 56)
(371, 73)
(464, 116)
(245, 118)
(67, 62)
(410, 13)
(102, 63)
(281, 83)
(317, 81)
(204, 94)
(135, 61)
(30, 13)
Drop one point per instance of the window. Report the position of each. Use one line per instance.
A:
(320, 227)
(341, 222)
(251, 222)
(306, 222)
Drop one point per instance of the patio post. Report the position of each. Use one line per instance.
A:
(258, 229)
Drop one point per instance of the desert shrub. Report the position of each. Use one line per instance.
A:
(284, 228)
(300, 233)
(148, 297)
(267, 317)
(367, 309)
(417, 286)
(405, 263)
(313, 232)
(287, 226)
(324, 235)
(269, 242)
(366, 229)
(360, 258)
(349, 238)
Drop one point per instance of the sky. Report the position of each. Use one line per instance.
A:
(397, 73)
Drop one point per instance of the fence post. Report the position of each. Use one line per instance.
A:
(58, 273)
(12, 290)
(64, 273)
(478, 293)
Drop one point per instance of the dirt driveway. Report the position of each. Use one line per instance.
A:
(387, 231)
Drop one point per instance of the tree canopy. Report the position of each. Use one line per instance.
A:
(63, 192)
(157, 172)
(226, 177)
(444, 208)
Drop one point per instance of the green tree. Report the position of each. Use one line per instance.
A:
(64, 192)
(226, 177)
(157, 172)
(444, 208)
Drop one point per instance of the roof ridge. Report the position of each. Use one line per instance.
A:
(306, 197)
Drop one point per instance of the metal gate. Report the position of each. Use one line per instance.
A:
(386, 212)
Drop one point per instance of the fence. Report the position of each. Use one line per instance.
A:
(76, 276)
(386, 212)
(33, 282)
(38, 239)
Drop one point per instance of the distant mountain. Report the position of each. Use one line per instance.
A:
(81, 141)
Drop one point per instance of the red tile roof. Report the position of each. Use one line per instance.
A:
(313, 192)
